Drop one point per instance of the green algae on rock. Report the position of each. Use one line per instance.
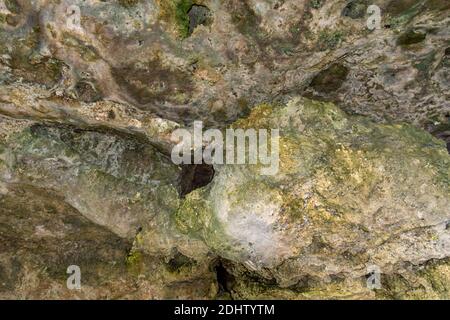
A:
(349, 194)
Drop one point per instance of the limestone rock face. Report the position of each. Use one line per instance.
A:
(92, 199)
(349, 194)
(91, 91)
(41, 236)
(211, 60)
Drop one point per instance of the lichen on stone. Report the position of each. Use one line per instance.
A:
(92, 92)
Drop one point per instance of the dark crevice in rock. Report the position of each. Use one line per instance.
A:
(195, 176)
(198, 15)
(225, 279)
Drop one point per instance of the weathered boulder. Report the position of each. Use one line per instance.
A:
(350, 194)
(100, 201)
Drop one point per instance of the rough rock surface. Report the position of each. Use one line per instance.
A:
(349, 194)
(91, 90)
(75, 197)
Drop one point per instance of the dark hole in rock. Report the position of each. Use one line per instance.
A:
(195, 176)
(225, 279)
(447, 51)
(331, 79)
(355, 9)
(198, 15)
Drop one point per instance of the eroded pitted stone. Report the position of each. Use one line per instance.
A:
(144, 68)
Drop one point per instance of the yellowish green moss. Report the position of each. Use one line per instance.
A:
(256, 119)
